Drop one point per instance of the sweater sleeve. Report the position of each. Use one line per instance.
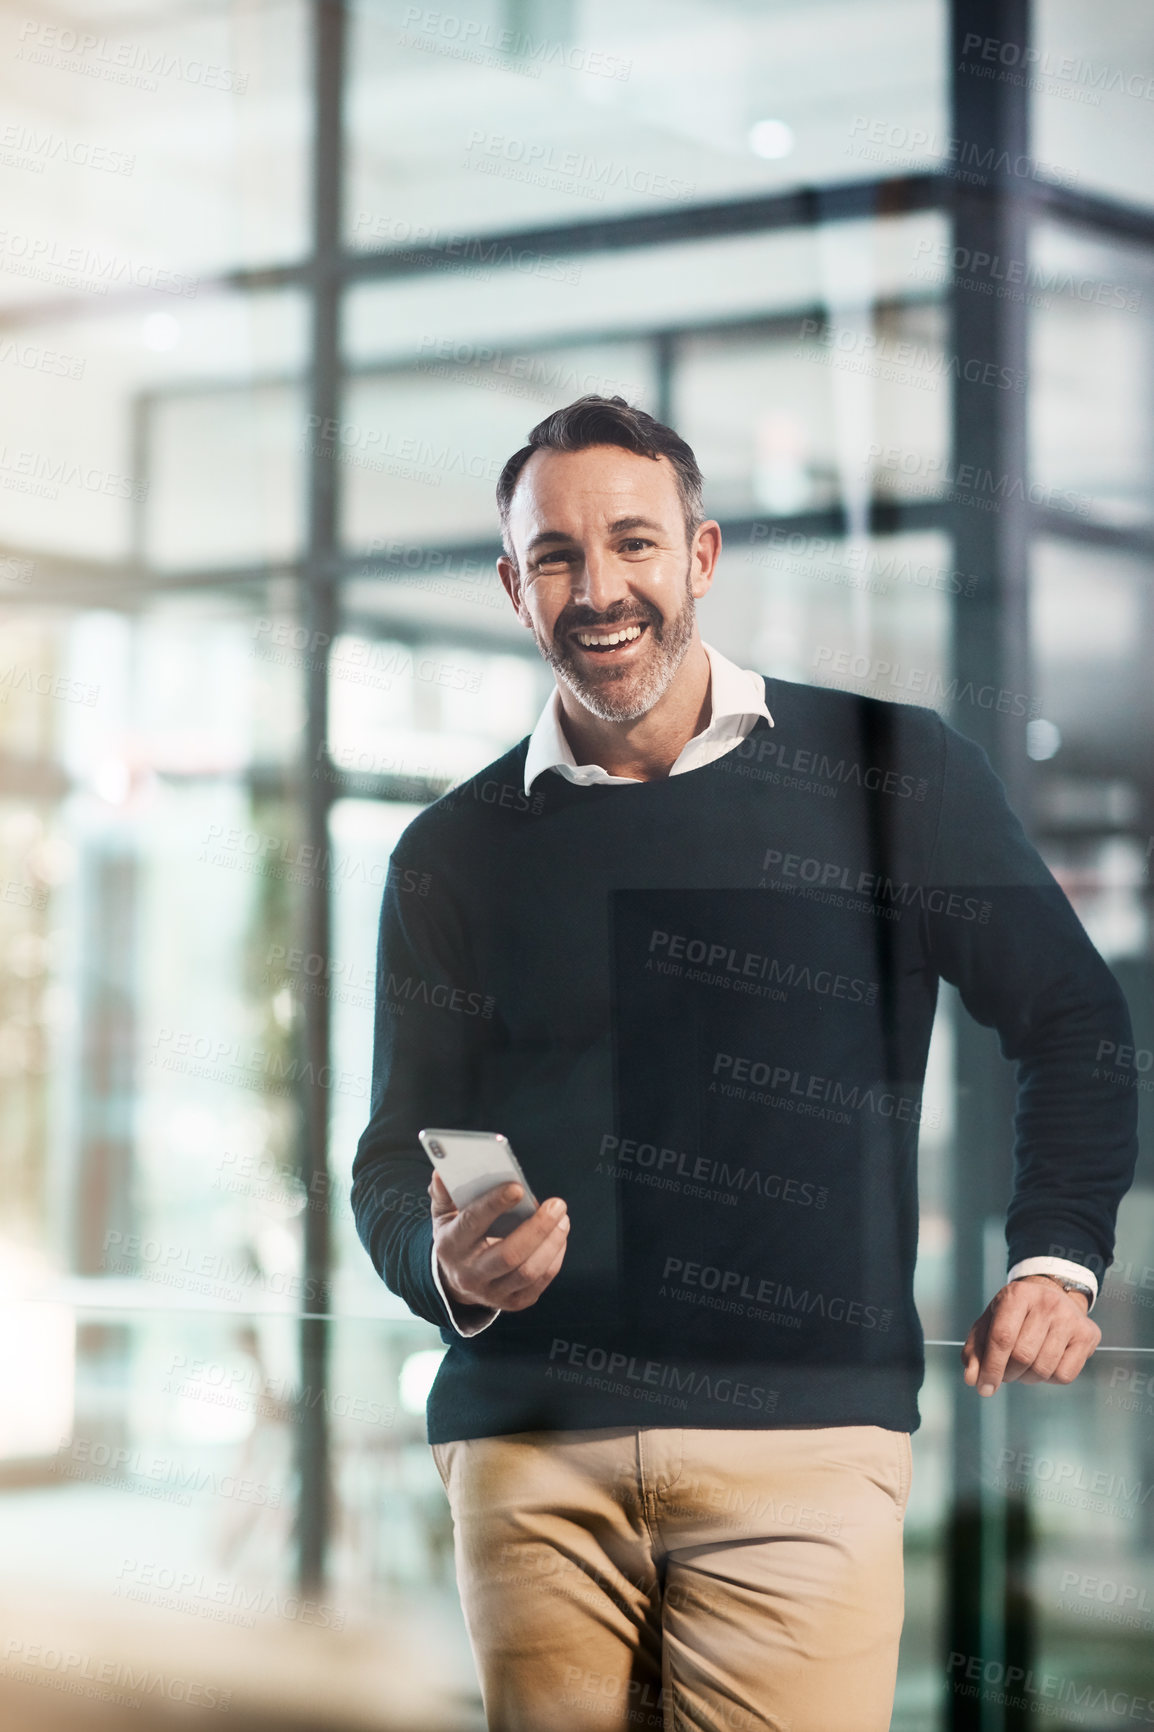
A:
(1006, 936)
(432, 1021)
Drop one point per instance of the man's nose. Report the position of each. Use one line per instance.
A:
(598, 583)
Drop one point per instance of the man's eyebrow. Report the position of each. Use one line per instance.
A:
(617, 527)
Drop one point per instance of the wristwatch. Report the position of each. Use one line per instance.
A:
(1065, 1283)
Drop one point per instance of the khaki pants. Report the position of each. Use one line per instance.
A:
(617, 1579)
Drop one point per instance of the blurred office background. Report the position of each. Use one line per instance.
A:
(282, 283)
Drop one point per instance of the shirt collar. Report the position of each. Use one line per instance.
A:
(734, 691)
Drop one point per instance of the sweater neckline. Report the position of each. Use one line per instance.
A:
(577, 789)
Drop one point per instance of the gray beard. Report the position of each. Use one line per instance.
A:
(671, 639)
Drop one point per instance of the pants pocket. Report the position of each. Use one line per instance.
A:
(440, 1458)
(905, 1470)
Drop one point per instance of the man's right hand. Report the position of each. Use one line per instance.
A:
(507, 1274)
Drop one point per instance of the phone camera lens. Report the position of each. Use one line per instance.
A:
(436, 1149)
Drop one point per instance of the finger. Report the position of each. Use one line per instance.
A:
(514, 1247)
(474, 1221)
(972, 1350)
(500, 1260)
(1001, 1339)
(1050, 1352)
(442, 1201)
(532, 1293)
(1039, 1333)
(539, 1259)
(1073, 1360)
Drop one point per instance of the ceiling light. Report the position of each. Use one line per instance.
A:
(771, 139)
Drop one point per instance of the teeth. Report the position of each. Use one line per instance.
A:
(592, 640)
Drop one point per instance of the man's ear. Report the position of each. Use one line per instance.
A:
(510, 577)
(704, 551)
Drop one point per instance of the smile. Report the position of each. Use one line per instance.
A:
(602, 641)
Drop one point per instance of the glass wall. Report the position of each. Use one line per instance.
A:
(741, 216)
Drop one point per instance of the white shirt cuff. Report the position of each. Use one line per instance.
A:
(1056, 1266)
(470, 1329)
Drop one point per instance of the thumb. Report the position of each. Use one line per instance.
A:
(443, 1203)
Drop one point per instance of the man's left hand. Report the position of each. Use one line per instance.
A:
(1030, 1332)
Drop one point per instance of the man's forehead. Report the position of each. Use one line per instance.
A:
(598, 481)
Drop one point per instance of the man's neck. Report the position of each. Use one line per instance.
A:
(647, 748)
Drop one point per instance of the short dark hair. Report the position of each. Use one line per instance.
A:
(596, 420)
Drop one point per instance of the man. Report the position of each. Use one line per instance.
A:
(696, 991)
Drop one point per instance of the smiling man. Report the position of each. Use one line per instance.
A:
(674, 1416)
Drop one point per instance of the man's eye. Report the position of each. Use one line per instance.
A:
(635, 541)
(562, 558)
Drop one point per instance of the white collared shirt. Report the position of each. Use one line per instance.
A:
(737, 699)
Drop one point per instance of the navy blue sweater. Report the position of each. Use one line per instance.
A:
(700, 1007)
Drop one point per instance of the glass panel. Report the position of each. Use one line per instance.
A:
(173, 1460)
(421, 448)
(1091, 364)
(822, 412)
(1091, 88)
(499, 116)
(481, 296)
(114, 446)
(150, 150)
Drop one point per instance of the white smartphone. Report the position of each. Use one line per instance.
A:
(473, 1162)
